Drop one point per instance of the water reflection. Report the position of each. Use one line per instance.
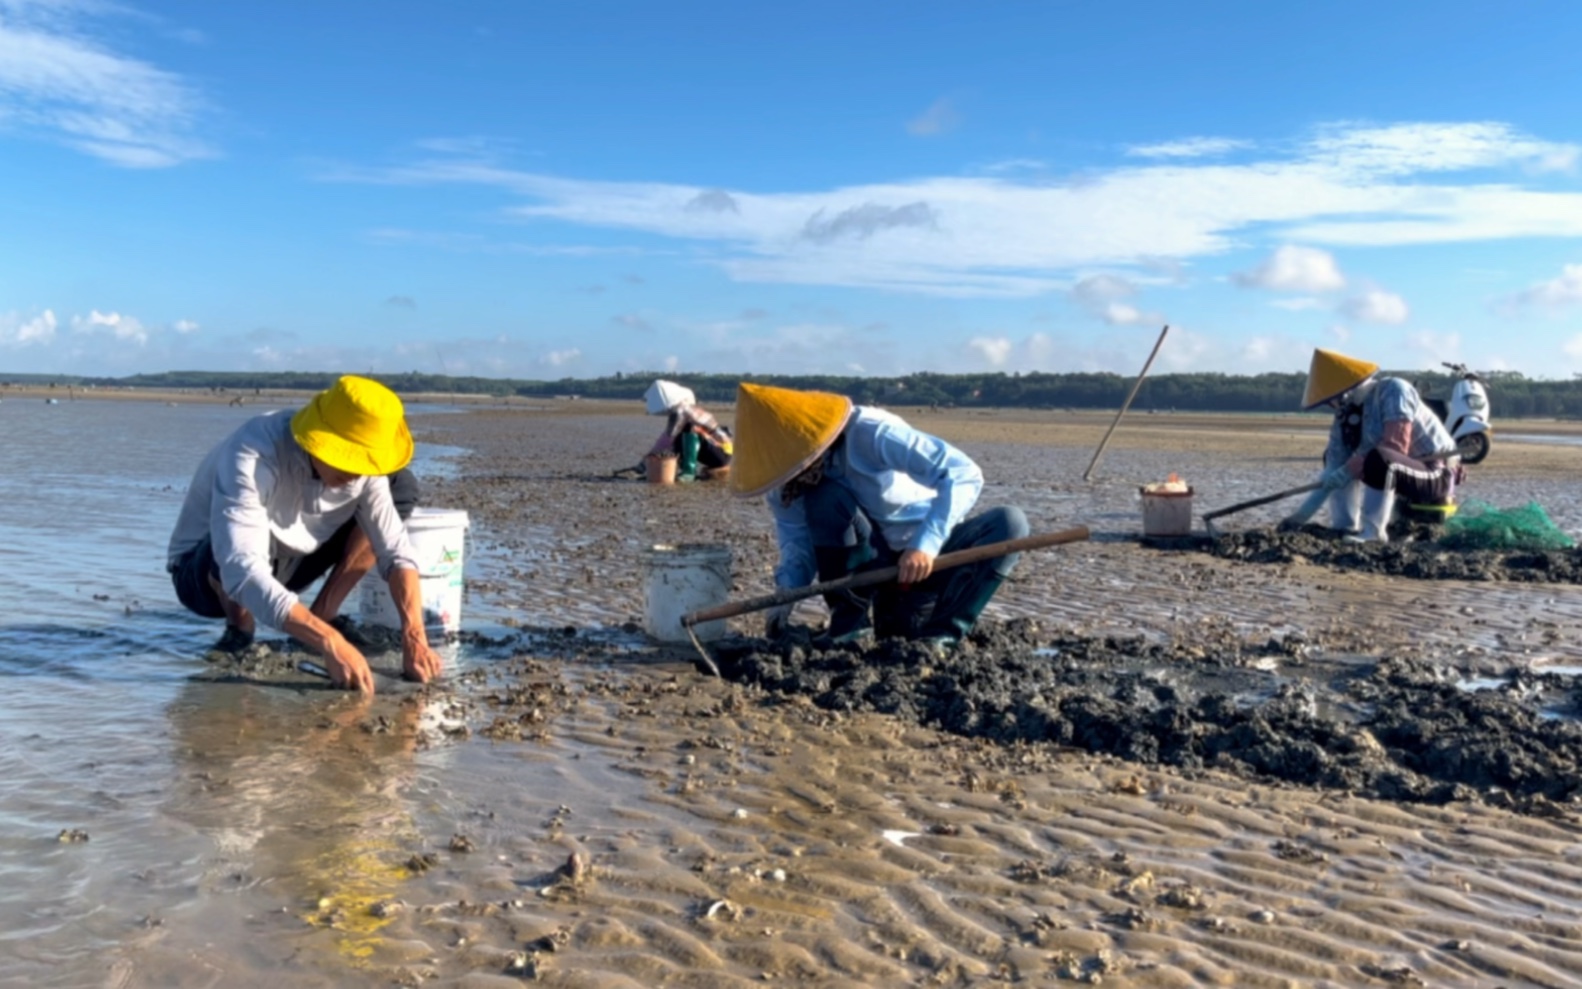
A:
(301, 791)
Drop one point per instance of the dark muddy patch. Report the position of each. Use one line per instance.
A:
(1421, 557)
(1288, 709)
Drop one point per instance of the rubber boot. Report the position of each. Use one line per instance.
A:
(1345, 509)
(950, 629)
(687, 469)
(903, 613)
(1377, 506)
(848, 609)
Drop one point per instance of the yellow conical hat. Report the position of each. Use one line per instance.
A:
(779, 432)
(1333, 374)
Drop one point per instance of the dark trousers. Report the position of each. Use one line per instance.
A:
(845, 539)
(1418, 482)
(192, 573)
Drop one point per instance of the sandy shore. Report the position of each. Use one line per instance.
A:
(609, 817)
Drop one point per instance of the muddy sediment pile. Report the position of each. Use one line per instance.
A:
(1421, 558)
(1395, 728)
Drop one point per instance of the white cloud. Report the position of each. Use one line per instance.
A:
(1300, 304)
(1005, 236)
(1101, 296)
(993, 350)
(1191, 147)
(1559, 292)
(560, 358)
(1096, 290)
(57, 81)
(185, 326)
(1402, 149)
(120, 327)
(17, 331)
(1435, 347)
(1376, 306)
(939, 118)
(1121, 314)
(1295, 269)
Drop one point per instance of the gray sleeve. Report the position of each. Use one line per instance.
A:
(377, 515)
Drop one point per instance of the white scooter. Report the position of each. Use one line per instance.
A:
(1467, 414)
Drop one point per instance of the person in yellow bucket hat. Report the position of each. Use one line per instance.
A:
(1385, 443)
(853, 488)
(290, 497)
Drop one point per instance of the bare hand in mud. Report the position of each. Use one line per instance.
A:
(914, 567)
(348, 669)
(419, 662)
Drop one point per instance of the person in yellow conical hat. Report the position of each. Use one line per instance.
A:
(289, 497)
(691, 434)
(1385, 443)
(854, 488)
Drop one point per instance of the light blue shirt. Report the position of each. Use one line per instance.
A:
(914, 487)
(1393, 400)
(256, 500)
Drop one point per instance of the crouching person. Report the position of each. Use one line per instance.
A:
(692, 434)
(288, 498)
(1385, 443)
(856, 489)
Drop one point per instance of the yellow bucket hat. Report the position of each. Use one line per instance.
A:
(780, 432)
(1333, 374)
(357, 425)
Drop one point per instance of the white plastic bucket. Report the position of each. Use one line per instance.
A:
(1167, 513)
(438, 537)
(683, 579)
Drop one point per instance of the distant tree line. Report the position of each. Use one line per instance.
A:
(1511, 393)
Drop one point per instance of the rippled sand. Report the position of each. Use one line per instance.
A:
(624, 821)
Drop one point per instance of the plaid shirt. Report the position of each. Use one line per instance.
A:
(1393, 400)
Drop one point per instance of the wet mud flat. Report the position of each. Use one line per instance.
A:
(1283, 710)
(1149, 768)
(694, 831)
(1419, 556)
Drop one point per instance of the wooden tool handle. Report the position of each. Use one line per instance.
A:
(883, 575)
(1266, 499)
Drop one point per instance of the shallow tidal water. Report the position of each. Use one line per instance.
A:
(144, 814)
(268, 833)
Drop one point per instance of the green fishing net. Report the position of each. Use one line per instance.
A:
(1479, 525)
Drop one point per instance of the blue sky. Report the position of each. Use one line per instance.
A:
(562, 189)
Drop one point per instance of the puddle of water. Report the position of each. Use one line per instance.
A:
(1475, 684)
(207, 805)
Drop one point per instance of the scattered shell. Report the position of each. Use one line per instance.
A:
(72, 835)
(462, 843)
(1261, 916)
(422, 862)
(522, 965)
(576, 867)
(739, 813)
(731, 910)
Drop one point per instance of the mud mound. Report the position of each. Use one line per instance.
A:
(1399, 729)
(1422, 558)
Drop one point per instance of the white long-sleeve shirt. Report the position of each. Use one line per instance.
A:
(913, 487)
(256, 499)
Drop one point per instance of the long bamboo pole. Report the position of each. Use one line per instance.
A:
(1087, 475)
